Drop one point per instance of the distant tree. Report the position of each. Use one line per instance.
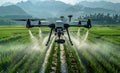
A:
(104, 18)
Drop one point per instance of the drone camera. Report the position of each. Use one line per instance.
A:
(60, 41)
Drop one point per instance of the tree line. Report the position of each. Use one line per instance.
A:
(101, 18)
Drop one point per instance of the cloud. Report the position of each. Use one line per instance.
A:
(69, 1)
(66, 1)
(11, 1)
(77, 1)
(115, 1)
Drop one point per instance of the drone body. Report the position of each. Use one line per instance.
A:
(58, 27)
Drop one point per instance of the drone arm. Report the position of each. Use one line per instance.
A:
(77, 26)
(49, 37)
(88, 25)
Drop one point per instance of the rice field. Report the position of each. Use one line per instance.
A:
(94, 51)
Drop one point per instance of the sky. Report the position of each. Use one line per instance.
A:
(66, 1)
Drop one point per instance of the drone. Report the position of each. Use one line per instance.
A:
(59, 27)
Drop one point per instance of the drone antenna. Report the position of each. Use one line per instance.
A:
(70, 17)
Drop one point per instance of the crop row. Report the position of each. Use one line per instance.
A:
(105, 62)
(20, 58)
(50, 58)
(73, 62)
(97, 61)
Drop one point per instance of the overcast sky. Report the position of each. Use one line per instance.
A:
(66, 1)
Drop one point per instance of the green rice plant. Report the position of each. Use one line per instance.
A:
(58, 67)
(48, 66)
(70, 69)
(91, 63)
(105, 64)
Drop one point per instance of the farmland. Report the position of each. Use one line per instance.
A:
(94, 51)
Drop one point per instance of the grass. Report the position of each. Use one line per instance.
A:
(100, 59)
(16, 54)
(48, 65)
(110, 34)
(58, 67)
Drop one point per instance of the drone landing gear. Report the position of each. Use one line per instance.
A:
(69, 36)
(49, 37)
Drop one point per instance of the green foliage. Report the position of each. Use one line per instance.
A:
(58, 68)
(17, 56)
(48, 66)
(110, 34)
(5, 21)
(101, 18)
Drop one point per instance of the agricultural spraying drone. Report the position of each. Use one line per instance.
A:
(58, 27)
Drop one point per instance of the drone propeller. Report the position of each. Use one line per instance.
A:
(28, 22)
(29, 19)
(89, 23)
(19, 19)
(38, 19)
